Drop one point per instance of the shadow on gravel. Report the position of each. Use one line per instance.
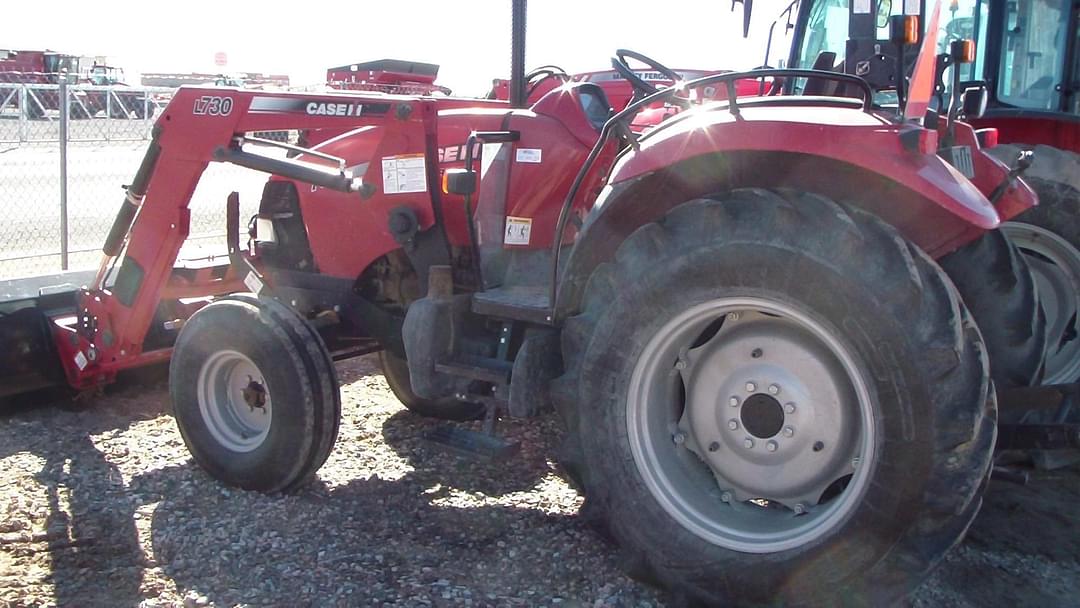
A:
(89, 530)
(430, 535)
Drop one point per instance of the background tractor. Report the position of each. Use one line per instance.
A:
(772, 391)
(1027, 72)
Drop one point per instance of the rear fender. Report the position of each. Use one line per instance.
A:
(923, 197)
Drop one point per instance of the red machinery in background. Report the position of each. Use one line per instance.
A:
(49, 68)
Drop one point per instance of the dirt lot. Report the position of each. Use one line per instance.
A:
(104, 507)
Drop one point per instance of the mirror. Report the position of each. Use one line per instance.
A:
(973, 100)
(884, 9)
(747, 8)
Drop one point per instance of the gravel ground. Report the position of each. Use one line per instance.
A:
(103, 506)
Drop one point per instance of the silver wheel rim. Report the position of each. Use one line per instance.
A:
(1055, 265)
(713, 449)
(234, 401)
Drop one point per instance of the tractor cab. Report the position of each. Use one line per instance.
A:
(103, 75)
(1026, 50)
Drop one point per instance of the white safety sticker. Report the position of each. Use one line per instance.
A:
(911, 7)
(80, 361)
(528, 155)
(860, 7)
(518, 230)
(253, 283)
(402, 174)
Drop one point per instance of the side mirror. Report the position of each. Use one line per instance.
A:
(747, 9)
(973, 99)
(883, 9)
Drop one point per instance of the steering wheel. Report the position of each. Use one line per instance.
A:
(542, 73)
(641, 87)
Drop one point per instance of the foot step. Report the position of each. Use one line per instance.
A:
(466, 442)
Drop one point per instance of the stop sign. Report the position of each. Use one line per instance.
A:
(220, 58)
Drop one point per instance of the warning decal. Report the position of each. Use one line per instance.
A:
(518, 230)
(403, 174)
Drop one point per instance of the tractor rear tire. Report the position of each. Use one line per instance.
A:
(684, 350)
(1049, 237)
(255, 394)
(396, 371)
(999, 289)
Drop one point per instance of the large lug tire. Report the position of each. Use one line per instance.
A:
(999, 289)
(775, 400)
(1049, 237)
(255, 394)
(396, 371)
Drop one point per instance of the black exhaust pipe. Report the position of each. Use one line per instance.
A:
(517, 55)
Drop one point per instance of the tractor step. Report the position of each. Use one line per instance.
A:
(474, 444)
(466, 442)
(477, 368)
(522, 303)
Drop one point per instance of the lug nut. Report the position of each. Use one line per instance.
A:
(733, 424)
(789, 432)
(714, 446)
(733, 316)
(725, 497)
(771, 446)
(789, 408)
(756, 353)
(855, 461)
(733, 402)
(774, 389)
(818, 446)
(680, 364)
(679, 438)
(799, 509)
(748, 443)
(751, 387)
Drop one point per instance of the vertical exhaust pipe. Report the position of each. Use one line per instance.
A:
(517, 55)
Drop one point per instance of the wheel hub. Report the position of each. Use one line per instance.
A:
(234, 401)
(768, 422)
(762, 415)
(762, 447)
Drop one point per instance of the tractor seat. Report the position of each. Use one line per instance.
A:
(826, 60)
(595, 104)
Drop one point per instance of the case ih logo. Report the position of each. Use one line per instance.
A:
(453, 154)
(334, 109)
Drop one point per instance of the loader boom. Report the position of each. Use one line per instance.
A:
(200, 126)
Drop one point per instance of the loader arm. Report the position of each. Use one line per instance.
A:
(200, 126)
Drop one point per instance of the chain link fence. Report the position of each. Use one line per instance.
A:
(61, 178)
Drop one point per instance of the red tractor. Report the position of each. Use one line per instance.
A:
(1028, 68)
(772, 392)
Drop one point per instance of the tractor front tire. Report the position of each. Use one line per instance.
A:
(999, 289)
(255, 394)
(775, 400)
(396, 371)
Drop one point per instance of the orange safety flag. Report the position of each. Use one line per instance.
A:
(921, 88)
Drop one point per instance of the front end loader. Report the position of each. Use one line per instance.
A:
(772, 392)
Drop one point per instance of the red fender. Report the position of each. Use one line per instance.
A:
(847, 135)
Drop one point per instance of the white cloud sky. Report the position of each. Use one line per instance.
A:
(470, 39)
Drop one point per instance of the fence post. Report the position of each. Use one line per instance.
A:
(64, 117)
(24, 131)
